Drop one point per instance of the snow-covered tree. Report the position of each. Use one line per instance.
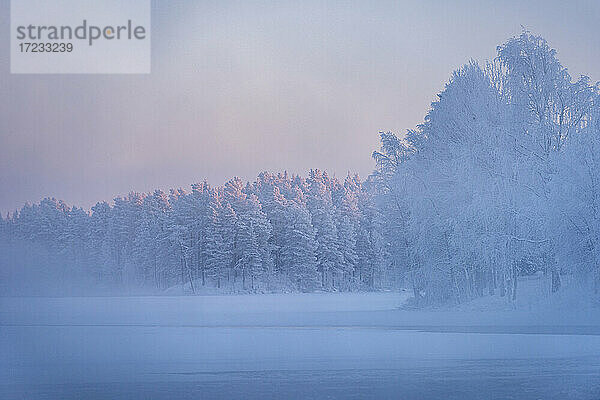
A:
(320, 206)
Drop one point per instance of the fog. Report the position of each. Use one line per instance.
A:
(459, 260)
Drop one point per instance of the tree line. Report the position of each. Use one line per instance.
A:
(277, 233)
(502, 179)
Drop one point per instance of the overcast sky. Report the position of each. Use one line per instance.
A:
(241, 87)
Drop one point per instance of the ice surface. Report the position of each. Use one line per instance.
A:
(290, 346)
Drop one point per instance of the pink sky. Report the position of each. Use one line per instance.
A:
(241, 87)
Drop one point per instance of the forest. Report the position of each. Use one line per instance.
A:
(277, 233)
(500, 181)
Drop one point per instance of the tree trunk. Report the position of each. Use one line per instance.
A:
(182, 280)
(514, 283)
(555, 277)
(491, 283)
(502, 285)
(417, 295)
(191, 280)
(416, 292)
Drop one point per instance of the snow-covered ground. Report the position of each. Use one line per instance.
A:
(322, 345)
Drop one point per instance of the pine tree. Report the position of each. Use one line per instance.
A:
(298, 251)
(329, 258)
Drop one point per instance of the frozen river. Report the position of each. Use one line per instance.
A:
(333, 346)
